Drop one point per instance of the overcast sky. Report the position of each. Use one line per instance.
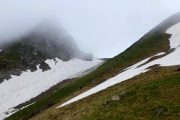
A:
(102, 27)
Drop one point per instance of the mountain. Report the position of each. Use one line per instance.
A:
(143, 82)
(36, 62)
(46, 41)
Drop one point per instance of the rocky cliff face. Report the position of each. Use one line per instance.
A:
(42, 43)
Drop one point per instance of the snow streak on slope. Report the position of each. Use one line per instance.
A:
(20, 89)
(129, 73)
(168, 60)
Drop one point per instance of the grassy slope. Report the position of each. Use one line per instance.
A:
(149, 100)
(147, 46)
(151, 96)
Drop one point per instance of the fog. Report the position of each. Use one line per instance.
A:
(15, 22)
(102, 27)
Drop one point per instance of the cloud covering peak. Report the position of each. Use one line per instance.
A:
(113, 24)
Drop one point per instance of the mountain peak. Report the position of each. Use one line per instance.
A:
(51, 41)
(46, 41)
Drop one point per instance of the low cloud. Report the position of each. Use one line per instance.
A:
(15, 23)
(113, 24)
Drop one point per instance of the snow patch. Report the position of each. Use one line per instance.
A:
(20, 89)
(159, 54)
(175, 38)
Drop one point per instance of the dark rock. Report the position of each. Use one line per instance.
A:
(4, 75)
(80, 87)
(16, 72)
(107, 103)
(55, 60)
(160, 110)
(101, 76)
(33, 68)
(44, 66)
(178, 69)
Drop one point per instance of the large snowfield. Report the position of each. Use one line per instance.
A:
(168, 60)
(20, 89)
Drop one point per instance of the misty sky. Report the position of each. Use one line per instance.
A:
(102, 27)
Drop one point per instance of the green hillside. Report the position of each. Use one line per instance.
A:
(150, 96)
